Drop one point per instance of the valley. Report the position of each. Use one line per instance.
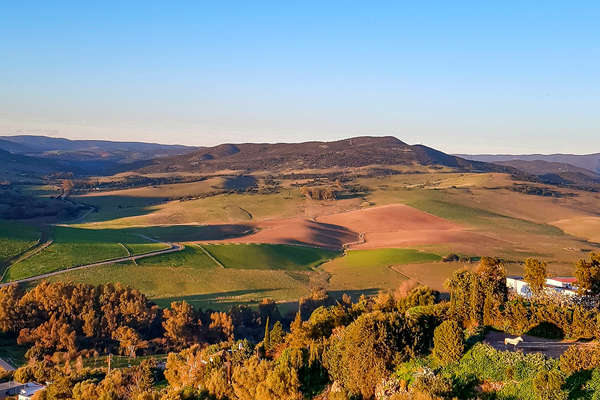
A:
(270, 239)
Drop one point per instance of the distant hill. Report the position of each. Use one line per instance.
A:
(589, 162)
(555, 172)
(348, 153)
(88, 150)
(21, 167)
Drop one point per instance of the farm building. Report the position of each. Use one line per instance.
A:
(23, 391)
(29, 389)
(555, 285)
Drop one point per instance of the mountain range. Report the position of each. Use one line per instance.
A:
(590, 162)
(27, 156)
(347, 153)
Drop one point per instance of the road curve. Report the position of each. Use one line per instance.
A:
(174, 247)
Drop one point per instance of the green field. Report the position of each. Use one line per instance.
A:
(252, 272)
(11, 352)
(193, 276)
(370, 270)
(75, 246)
(269, 256)
(15, 238)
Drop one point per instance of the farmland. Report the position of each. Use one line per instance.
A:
(279, 244)
(192, 275)
(75, 246)
(16, 238)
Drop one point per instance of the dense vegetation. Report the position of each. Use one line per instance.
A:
(402, 345)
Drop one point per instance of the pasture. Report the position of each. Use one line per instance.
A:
(371, 270)
(270, 256)
(193, 276)
(76, 246)
(15, 238)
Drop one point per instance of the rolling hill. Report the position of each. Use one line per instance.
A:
(589, 162)
(348, 153)
(88, 150)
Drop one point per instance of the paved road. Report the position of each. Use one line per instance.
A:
(174, 247)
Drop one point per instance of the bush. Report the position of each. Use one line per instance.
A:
(547, 385)
(579, 358)
(448, 343)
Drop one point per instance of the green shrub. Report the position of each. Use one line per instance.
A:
(448, 343)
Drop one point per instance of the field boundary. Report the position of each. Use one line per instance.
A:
(174, 248)
(219, 263)
(43, 242)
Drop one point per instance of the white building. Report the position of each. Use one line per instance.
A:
(29, 389)
(562, 285)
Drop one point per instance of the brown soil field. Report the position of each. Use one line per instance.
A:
(298, 231)
(584, 227)
(399, 225)
(394, 225)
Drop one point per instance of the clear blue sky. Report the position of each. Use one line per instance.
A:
(471, 76)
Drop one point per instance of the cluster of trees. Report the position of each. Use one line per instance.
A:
(402, 345)
(319, 192)
(78, 319)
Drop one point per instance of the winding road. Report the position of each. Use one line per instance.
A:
(174, 247)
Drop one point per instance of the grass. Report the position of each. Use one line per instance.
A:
(269, 256)
(11, 352)
(120, 361)
(125, 211)
(15, 238)
(76, 246)
(371, 269)
(192, 275)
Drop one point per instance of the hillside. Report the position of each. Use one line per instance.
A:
(348, 153)
(590, 162)
(554, 172)
(88, 150)
(17, 165)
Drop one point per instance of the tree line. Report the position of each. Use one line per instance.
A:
(406, 344)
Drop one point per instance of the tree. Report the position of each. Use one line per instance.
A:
(547, 385)
(363, 353)
(221, 327)
(129, 340)
(180, 323)
(267, 339)
(276, 336)
(535, 274)
(448, 342)
(588, 275)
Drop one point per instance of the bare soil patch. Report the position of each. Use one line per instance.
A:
(399, 225)
(298, 231)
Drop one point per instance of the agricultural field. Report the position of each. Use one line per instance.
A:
(371, 270)
(241, 247)
(75, 246)
(269, 256)
(192, 275)
(15, 238)
(124, 211)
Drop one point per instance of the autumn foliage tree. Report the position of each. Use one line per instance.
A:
(587, 273)
(535, 274)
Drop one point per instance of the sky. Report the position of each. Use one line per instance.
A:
(460, 76)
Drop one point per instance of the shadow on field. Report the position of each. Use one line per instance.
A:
(201, 300)
(174, 233)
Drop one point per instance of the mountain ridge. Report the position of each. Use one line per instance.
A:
(346, 153)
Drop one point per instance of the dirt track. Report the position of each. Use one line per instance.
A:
(531, 344)
(174, 247)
